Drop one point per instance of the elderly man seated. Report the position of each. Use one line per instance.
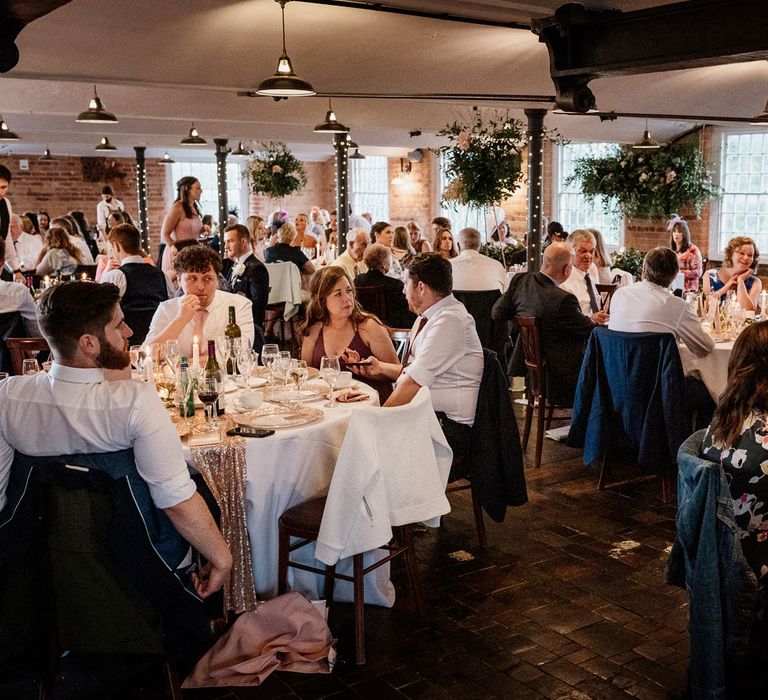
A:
(473, 272)
(26, 246)
(581, 282)
(352, 258)
(202, 312)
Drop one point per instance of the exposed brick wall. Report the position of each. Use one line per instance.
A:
(645, 234)
(58, 186)
(417, 198)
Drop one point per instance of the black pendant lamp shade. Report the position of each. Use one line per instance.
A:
(5, 133)
(331, 125)
(194, 138)
(646, 143)
(105, 145)
(166, 159)
(96, 114)
(284, 82)
(241, 150)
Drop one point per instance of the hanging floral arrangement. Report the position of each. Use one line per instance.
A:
(275, 172)
(647, 184)
(483, 161)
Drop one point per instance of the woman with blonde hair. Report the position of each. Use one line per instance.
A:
(602, 260)
(401, 244)
(737, 273)
(418, 242)
(304, 238)
(59, 255)
(337, 325)
(258, 231)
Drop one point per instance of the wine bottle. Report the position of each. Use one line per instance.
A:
(232, 334)
(185, 390)
(211, 365)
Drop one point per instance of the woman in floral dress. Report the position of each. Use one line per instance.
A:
(737, 438)
(688, 255)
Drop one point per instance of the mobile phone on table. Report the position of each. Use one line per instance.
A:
(247, 431)
(362, 363)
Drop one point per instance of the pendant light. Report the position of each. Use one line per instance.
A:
(762, 118)
(5, 133)
(46, 154)
(646, 143)
(284, 83)
(96, 114)
(356, 155)
(330, 125)
(105, 145)
(194, 138)
(166, 159)
(241, 150)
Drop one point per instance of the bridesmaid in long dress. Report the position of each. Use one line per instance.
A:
(183, 220)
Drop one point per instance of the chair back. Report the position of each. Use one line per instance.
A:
(26, 348)
(11, 325)
(285, 286)
(372, 299)
(401, 339)
(492, 334)
(530, 339)
(621, 277)
(606, 292)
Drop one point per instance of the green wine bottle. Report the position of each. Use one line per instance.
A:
(211, 365)
(232, 334)
(185, 390)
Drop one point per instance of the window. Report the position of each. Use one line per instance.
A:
(369, 187)
(573, 209)
(461, 215)
(743, 209)
(206, 174)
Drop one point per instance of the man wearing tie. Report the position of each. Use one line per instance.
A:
(581, 281)
(445, 352)
(245, 273)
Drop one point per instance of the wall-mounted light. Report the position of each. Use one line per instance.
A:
(405, 171)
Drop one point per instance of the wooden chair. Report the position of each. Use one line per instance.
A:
(303, 521)
(606, 292)
(24, 349)
(477, 510)
(372, 299)
(536, 383)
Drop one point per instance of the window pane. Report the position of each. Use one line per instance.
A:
(206, 174)
(369, 187)
(460, 215)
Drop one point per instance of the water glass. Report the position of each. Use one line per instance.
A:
(29, 366)
(269, 353)
(329, 371)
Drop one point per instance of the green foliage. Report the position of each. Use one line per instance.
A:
(483, 161)
(647, 184)
(275, 172)
(628, 259)
(492, 250)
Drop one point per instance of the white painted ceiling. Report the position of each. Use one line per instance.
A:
(161, 64)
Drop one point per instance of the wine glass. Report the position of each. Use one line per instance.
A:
(209, 386)
(172, 354)
(269, 353)
(135, 353)
(246, 360)
(298, 373)
(29, 366)
(329, 371)
(283, 365)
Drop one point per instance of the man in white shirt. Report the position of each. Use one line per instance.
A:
(16, 297)
(202, 313)
(80, 411)
(649, 306)
(445, 351)
(108, 204)
(581, 282)
(352, 258)
(473, 272)
(26, 246)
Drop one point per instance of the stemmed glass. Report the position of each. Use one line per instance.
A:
(269, 353)
(284, 365)
(172, 354)
(298, 373)
(329, 371)
(135, 353)
(29, 366)
(209, 386)
(246, 360)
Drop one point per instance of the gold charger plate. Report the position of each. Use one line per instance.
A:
(260, 371)
(276, 417)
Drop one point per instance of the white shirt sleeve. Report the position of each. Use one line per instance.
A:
(116, 277)
(443, 345)
(10, 254)
(164, 314)
(689, 330)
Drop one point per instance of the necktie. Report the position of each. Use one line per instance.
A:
(198, 330)
(592, 298)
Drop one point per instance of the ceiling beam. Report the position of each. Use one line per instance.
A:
(586, 44)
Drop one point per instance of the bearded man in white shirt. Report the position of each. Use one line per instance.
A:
(81, 411)
(202, 312)
(581, 282)
(473, 272)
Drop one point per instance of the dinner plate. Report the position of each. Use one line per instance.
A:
(290, 394)
(276, 417)
(260, 371)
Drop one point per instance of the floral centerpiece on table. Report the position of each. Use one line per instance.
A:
(275, 171)
(494, 250)
(483, 161)
(628, 259)
(648, 184)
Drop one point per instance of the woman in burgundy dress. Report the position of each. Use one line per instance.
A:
(336, 324)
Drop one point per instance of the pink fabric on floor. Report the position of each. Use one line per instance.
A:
(286, 633)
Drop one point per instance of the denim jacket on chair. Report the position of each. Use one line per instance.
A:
(707, 560)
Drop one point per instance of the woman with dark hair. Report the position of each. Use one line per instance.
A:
(59, 254)
(737, 273)
(401, 244)
(737, 439)
(443, 244)
(184, 218)
(688, 256)
(86, 232)
(33, 219)
(43, 221)
(337, 325)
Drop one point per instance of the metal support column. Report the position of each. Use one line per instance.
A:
(535, 135)
(222, 151)
(342, 191)
(141, 194)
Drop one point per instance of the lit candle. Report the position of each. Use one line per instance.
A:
(46, 282)
(149, 367)
(195, 354)
(84, 276)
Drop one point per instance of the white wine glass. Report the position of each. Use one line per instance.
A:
(298, 373)
(246, 360)
(135, 353)
(329, 371)
(172, 354)
(269, 353)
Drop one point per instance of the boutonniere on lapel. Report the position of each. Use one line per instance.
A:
(238, 270)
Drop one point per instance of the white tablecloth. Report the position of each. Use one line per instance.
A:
(711, 369)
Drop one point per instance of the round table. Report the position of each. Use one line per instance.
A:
(712, 369)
